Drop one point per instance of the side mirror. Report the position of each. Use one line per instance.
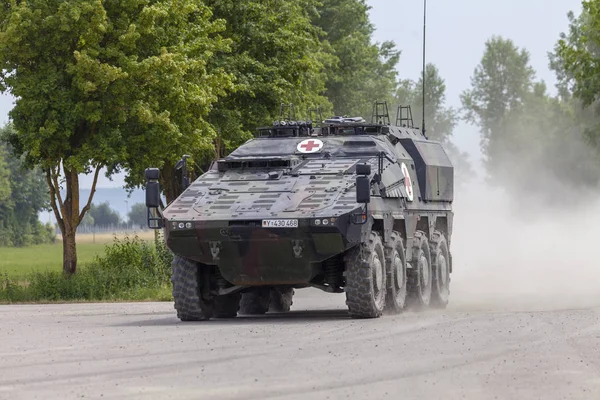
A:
(152, 194)
(363, 189)
(363, 169)
(153, 198)
(152, 188)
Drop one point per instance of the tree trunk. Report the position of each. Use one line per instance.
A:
(169, 183)
(69, 253)
(67, 211)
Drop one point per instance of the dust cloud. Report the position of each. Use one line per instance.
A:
(509, 255)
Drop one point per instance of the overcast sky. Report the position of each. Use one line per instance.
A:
(456, 33)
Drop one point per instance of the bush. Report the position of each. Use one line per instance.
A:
(130, 267)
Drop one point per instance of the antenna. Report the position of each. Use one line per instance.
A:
(424, 25)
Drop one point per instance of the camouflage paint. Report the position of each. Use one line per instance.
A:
(268, 178)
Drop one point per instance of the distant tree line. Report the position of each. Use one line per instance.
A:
(103, 215)
(126, 85)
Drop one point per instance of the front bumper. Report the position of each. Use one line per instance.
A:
(249, 254)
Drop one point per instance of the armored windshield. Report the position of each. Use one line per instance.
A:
(340, 146)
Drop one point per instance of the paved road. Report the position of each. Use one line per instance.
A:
(141, 351)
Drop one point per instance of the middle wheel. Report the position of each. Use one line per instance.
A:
(281, 299)
(255, 301)
(420, 275)
(395, 259)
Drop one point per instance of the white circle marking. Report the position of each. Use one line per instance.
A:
(407, 182)
(309, 146)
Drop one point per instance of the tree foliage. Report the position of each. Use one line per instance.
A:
(578, 54)
(531, 140)
(363, 71)
(575, 62)
(499, 86)
(103, 83)
(125, 85)
(276, 57)
(138, 215)
(23, 195)
(104, 215)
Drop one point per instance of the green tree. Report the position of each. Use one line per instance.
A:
(577, 54)
(363, 71)
(275, 58)
(4, 178)
(101, 82)
(138, 215)
(532, 140)
(440, 120)
(23, 194)
(103, 215)
(88, 219)
(5, 193)
(499, 86)
(574, 61)
(557, 63)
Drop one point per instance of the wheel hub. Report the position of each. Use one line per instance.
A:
(443, 266)
(398, 270)
(377, 273)
(424, 267)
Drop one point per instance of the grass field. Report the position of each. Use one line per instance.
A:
(18, 262)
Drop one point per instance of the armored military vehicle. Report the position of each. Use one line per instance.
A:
(346, 206)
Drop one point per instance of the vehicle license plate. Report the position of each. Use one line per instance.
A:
(280, 223)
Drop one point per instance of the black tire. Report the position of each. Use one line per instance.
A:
(440, 261)
(189, 304)
(420, 275)
(395, 261)
(281, 299)
(255, 302)
(366, 278)
(227, 306)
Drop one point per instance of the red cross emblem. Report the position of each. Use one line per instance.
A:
(309, 146)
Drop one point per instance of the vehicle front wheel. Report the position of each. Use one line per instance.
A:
(189, 303)
(395, 259)
(366, 278)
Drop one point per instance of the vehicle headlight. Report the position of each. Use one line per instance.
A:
(324, 221)
(178, 225)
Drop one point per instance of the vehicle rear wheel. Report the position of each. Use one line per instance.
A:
(227, 306)
(420, 275)
(281, 299)
(255, 301)
(440, 261)
(366, 278)
(395, 260)
(189, 303)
